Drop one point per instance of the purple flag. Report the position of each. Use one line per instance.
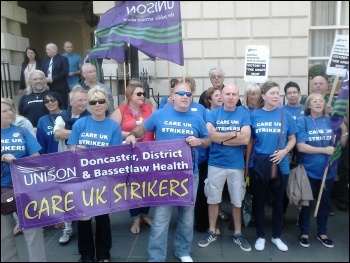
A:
(337, 118)
(101, 180)
(110, 50)
(153, 27)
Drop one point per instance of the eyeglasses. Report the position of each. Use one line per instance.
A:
(183, 93)
(94, 102)
(49, 100)
(216, 77)
(140, 93)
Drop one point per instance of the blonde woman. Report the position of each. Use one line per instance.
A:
(107, 133)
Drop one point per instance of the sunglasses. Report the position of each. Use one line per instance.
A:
(183, 93)
(140, 93)
(49, 100)
(94, 102)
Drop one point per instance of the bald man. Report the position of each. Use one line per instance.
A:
(320, 85)
(56, 69)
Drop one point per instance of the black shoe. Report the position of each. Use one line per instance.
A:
(252, 222)
(231, 226)
(343, 206)
(326, 241)
(331, 212)
(304, 241)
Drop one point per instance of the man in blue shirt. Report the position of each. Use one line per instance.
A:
(75, 63)
(169, 123)
(229, 128)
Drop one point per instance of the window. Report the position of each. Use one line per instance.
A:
(328, 19)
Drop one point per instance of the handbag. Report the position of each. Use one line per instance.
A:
(274, 164)
(8, 201)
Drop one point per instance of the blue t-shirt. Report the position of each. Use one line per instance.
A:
(74, 61)
(296, 112)
(170, 124)
(13, 142)
(252, 153)
(317, 133)
(266, 127)
(90, 133)
(228, 157)
(45, 135)
(162, 102)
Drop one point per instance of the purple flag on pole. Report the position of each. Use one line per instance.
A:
(153, 27)
(338, 117)
(110, 50)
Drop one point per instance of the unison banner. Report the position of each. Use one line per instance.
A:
(67, 186)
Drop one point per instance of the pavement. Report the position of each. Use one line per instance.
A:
(129, 247)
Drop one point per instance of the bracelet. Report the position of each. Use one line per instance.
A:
(345, 134)
(132, 133)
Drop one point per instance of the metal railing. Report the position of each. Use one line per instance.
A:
(6, 82)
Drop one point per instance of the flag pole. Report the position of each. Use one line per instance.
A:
(124, 68)
(323, 182)
(329, 103)
(169, 79)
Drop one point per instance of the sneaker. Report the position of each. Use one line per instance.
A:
(260, 244)
(279, 244)
(326, 241)
(64, 239)
(209, 237)
(304, 242)
(186, 259)
(242, 242)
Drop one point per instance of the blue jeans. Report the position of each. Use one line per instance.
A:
(158, 239)
(323, 210)
(260, 194)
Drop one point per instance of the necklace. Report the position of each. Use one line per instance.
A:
(37, 94)
(138, 119)
(30, 68)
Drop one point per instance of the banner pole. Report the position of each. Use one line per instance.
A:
(332, 91)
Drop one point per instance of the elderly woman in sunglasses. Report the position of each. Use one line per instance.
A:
(130, 115)
(106, 132)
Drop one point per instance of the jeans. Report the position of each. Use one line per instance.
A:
(158, 239)
(323, 210)
(102, 241)
(260, 194)
(33, 237)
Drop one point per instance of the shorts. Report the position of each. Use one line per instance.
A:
(214, 185)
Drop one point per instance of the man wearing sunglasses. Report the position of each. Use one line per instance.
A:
(162, 123)
(217, 77)
(89, 74)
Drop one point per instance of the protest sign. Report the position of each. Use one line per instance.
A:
(67, 186)
(256, 63)
(339, 59)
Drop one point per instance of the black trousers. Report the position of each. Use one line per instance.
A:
(201, 206)
(102, 243)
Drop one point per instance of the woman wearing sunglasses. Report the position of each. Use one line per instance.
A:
(53, 103)
(106, 132)
(130, 115)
